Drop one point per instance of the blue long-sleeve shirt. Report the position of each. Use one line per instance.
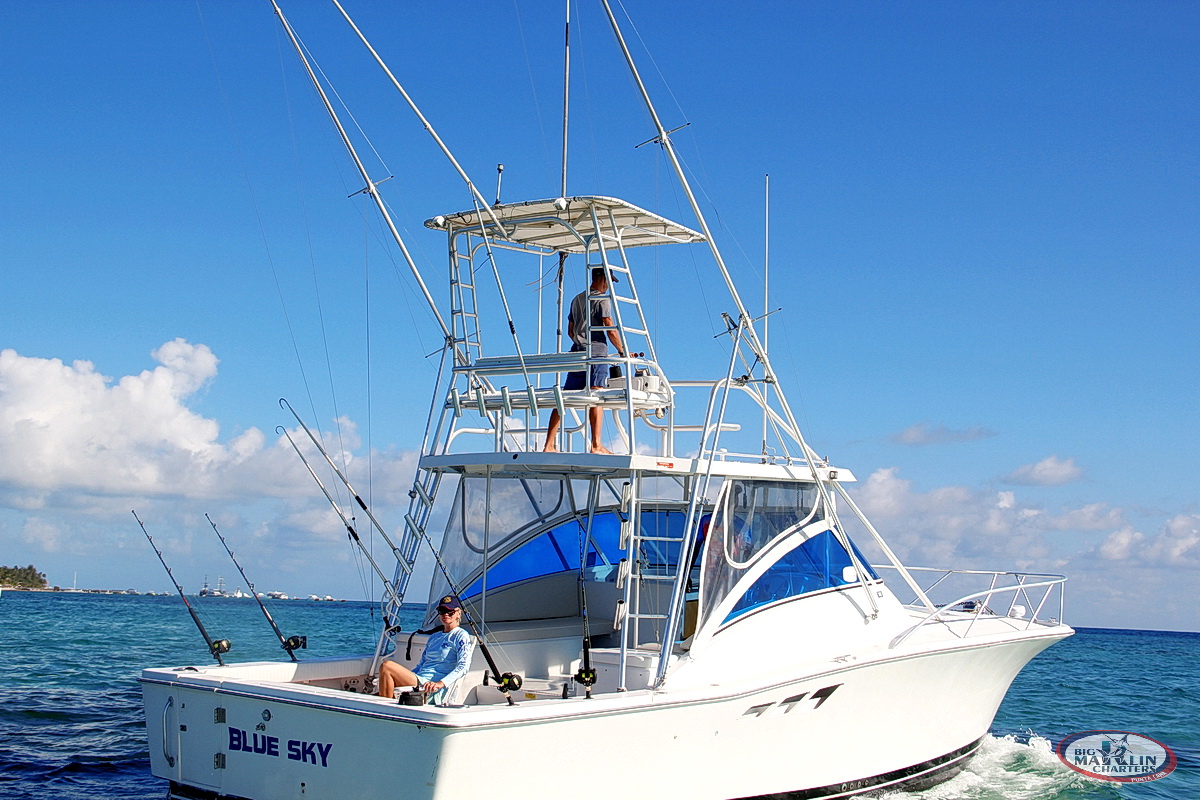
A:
(447, 656)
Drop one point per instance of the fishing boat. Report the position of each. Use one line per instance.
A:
(688, 616)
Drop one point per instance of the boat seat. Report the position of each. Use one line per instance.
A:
(529, 362)
(524, 630)
(614, 397)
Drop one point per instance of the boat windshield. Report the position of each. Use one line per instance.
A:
(523, 550)
(510, 537)
(766, 543)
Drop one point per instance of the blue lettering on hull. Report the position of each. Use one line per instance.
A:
(316, 753)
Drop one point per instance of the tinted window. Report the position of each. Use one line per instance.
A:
(815, 565)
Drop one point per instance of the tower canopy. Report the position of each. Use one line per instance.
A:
(568, 225)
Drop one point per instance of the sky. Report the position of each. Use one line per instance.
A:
(984, 240)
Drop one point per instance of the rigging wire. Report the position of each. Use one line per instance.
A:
(345, 108)
(311, 258)
(365, 576)
(367, 343)
(263, 232)
(241, 155)
(537, 106)
(650, 56)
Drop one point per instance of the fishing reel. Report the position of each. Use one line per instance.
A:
(508, 682)
(585, 677)
(220, 646)
(295, 643)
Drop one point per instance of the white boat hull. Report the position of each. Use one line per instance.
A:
(901, 718)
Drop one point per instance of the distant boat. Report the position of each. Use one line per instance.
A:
(205, 591)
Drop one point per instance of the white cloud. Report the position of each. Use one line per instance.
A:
(1094, 545)
(79, 449)
(69, 428)
(1051, 471)
(923, 433)
(962, 526)
(1177, 544)
(951, 525)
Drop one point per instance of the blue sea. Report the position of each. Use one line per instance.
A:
(71, 725)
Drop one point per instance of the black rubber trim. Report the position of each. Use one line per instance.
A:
(914, 778)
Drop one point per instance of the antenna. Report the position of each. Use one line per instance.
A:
(766, 293)
(562, 256)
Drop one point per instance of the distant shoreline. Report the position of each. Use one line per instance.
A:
(135, 593)
(128, 593)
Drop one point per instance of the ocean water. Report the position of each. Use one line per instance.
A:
(71, 725)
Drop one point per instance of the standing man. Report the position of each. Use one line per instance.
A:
(596, 297)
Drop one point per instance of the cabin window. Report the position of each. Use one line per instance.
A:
(557, 550)
(749, 517)
(819, 563)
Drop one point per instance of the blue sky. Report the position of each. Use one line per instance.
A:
(984, 239)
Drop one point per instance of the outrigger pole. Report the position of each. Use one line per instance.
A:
(216, 647)
(756, 346)
(424, 122)
(760, 351)
(370, 187)
(291, 642)
(481, 205)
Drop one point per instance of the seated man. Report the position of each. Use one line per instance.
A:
(446, 659)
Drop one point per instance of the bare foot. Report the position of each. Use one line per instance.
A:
(600, 450)
(550, 448)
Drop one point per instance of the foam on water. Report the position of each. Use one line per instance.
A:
(1013, 767)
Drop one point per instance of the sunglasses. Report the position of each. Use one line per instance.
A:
(442, 613)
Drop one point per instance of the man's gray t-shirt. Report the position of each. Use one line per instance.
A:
(601, 308)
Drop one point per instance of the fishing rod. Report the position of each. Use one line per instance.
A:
(216, 647)
(506, 681)
(350, 531)
(346, 482)
(291, 642)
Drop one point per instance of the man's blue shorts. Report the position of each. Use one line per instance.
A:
(599, 378)
(599, 374)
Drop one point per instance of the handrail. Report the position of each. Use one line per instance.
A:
(170, 758)
(1019, 589)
